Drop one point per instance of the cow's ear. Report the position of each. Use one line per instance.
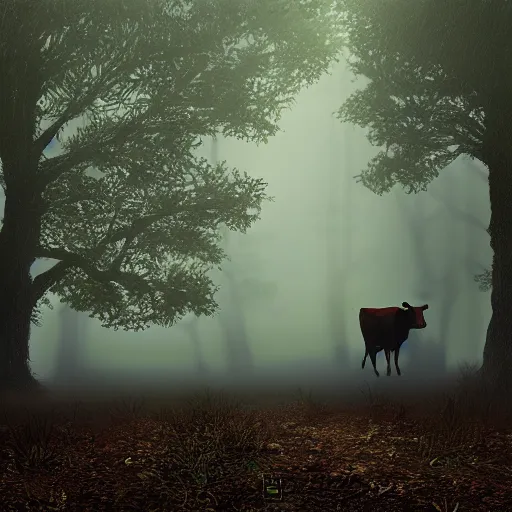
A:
(424, 307)
(406, 305)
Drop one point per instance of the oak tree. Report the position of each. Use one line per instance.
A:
(127, 211)
(440, 75)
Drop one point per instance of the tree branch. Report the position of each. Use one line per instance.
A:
(137, 227)
(46, 137)
(70, 112)
(119, 259)
(54, 167)
(142, 223)
(44, 281)
(72, 260)
(51, 169)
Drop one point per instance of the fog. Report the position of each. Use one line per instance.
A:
(325, 247)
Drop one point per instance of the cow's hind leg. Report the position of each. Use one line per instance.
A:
(373, 357)
(364, 358)
(388, 354)
(397, 352)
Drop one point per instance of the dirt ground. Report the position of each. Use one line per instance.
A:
(213, 452)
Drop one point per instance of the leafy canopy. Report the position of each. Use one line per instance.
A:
(430, 81)
(131, 214)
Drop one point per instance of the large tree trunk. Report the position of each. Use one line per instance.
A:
(19, 236)
(497, 154)
(18, 241)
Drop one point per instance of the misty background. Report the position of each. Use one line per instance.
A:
(325, 247)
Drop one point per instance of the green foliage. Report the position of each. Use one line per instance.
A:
(130, 88)
(37, 312)
(430, 82)
(425, 100)
(484, 280)
(160, 272)
(434, 34)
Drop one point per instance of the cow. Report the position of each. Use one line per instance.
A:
(387, 328)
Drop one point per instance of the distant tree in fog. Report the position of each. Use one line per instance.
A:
(472, 223)
(192, 329)
(472, 229)
(240, 291)
(431, 285)
(232, 319)
(440, 79)
(128, 211)
(338, 240)
(69, 361)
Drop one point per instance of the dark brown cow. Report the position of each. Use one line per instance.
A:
(387, 328)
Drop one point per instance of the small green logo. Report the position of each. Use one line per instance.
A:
(272, 487)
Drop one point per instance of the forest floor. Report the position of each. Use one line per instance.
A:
(212, 453)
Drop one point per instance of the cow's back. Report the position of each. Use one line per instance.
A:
(378, 324)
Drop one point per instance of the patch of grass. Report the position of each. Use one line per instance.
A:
(474, 396)
(445, 507)
(209, 442)
(375, 400)
(127, 409)
(30, 444)
(55, 502)
(380, 405)
(310, 406)
(451, 435)
(208, 454)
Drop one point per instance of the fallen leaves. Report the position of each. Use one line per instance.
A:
(330, 462)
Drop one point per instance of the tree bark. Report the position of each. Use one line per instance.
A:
(18, 241)
(20, 91)
(497, 153)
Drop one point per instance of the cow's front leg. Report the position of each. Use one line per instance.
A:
(397, 352)
(388, 357)
(364, 358)
(373, 357)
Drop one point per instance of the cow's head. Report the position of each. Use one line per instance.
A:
(415, 315)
